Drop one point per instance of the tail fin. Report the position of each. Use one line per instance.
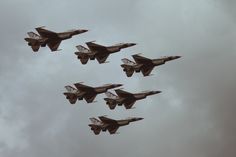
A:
(82, 49)
(94, 120)
(33, 35)
(70, 88)
(110, 95)
(127, 61)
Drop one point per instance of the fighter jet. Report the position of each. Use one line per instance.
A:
(35, 41)
(109, 124)
(97, 51)
(86, 92)
(125, 98)
(143, 64)
(54, 39)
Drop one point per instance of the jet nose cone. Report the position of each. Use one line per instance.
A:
(137, 119)
(117, 85)
(79, 31)
(155, 92)
(131, 44)
(83, 30)
(174, 57)
(134, 119)
(178, 57)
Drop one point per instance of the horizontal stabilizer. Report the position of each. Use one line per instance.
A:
(111, 103)
(111, 95)
(33, 35)
(96, 128)
(94, 120)
(70, 88)
(82, 49)
(127, 61)
(71, 97)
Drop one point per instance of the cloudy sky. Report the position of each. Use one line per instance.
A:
(194, 116)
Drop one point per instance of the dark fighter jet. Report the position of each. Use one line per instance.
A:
(52, 39)
(125, 98)
(109, 124)
(97, 51)
(143, 64)
(86, 92)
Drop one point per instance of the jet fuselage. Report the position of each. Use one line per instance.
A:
(143, 95)
(69, 34)
(161, 61)
(118, 47)
(127, 121)
(121, 122)
(134, 97)
(110, 124)
(138, 96)
(59, 36)
(104, 88)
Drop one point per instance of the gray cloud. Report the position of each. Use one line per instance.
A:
(194, 116)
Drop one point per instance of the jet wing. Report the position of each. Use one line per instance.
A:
(46, 33)
(53, 45)
(141, 59)
(71, 97)
(122, 93)
(101, 57)
(96, 47)
(101, 51)
(107, 120)
(146, 70)
(89, 97)
(112, 129)
(129, 104)
(82, 87)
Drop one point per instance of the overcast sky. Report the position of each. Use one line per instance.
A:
(194, 116)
